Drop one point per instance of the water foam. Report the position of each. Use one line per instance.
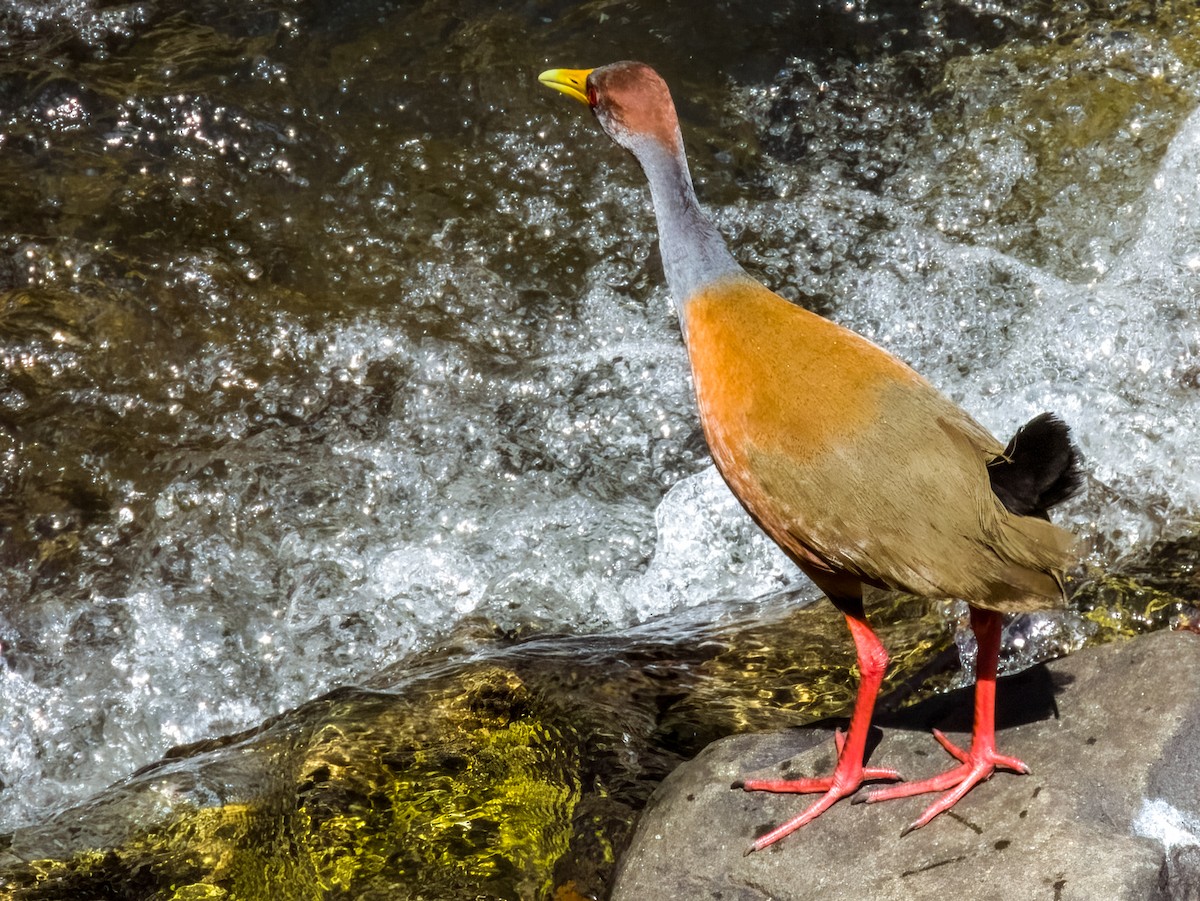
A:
(1159, 820)
(495, 447)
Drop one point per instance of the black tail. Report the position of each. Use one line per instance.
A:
(1040, 468)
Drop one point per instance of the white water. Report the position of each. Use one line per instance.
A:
(1173, 828)
(524, 485)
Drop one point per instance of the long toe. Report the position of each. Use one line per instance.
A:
(880, 774)
(938, 783)
(848, 776)
(977, 766)
(979, 772)
(787, 786)
(814, 810)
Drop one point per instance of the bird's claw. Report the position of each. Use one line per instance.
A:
(975, 766)
(848, 776)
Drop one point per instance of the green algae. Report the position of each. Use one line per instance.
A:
(230, 851)
(524, 780)
(519, 779)
(472, 797)
(1159, 591)
(523, 777)
(485, 803)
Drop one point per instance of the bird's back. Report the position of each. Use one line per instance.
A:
(852, 462)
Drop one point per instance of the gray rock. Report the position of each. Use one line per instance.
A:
(1183, 873)
(1111, 734)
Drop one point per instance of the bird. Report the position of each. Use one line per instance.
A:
(861, 470)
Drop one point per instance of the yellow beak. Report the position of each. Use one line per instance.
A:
(572, 82)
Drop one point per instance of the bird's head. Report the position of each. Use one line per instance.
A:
(630, 100)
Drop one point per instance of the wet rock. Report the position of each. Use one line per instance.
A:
(1182, 873)
(1110, 733)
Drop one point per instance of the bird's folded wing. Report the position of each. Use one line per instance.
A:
(908, 504)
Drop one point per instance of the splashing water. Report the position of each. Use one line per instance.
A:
(309, 358)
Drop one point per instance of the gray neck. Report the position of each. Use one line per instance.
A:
(693, 252)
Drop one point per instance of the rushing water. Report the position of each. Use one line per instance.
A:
(325, 331)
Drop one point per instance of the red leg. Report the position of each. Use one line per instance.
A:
(849, 772)
(978, 764)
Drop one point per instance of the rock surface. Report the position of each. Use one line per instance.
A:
(1112, 809)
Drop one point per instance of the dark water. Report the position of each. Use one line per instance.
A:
(329, 337)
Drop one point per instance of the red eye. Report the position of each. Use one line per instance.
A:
(591, 96)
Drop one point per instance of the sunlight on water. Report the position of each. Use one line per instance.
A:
(309, 358)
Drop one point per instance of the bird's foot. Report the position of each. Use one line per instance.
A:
(975, 766)
(847, 777)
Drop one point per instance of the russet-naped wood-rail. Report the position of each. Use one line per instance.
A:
(853, 463)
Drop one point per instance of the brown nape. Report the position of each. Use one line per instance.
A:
(633, 97)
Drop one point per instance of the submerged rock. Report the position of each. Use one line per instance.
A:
(1111, 810)
(509, 773)
(517, 768)
(465, 788)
